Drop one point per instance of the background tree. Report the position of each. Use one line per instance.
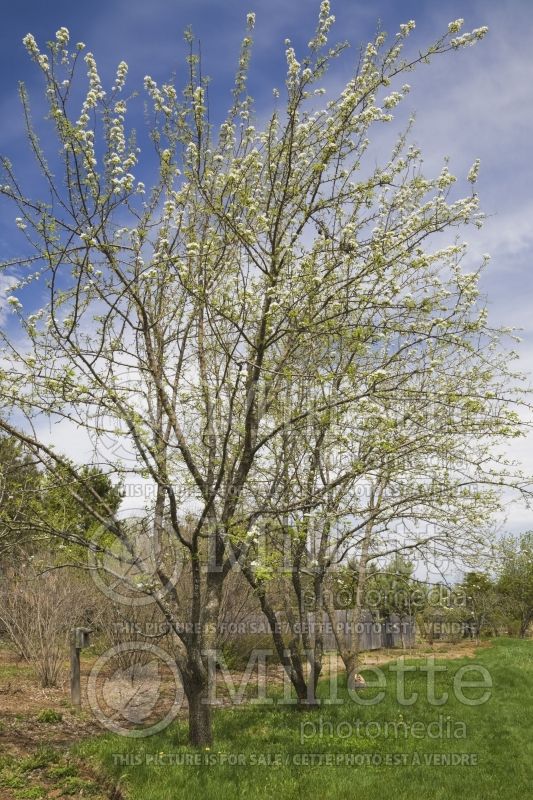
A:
(482, 606)
(515, 580)
(20, 482)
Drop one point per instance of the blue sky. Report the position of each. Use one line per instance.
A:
(475, 103)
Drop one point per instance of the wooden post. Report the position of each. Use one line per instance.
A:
(79, 637)
(75, 685)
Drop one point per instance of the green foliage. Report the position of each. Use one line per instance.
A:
(45, 773)
(19, 494)
(32, 793)
(62, 771)
(11, 778)
(34, 504)
(392, 588)
(49, 715)
(515, 582)
(43, 757)
(73, 785)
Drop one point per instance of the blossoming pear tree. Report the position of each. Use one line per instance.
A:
(233, 313)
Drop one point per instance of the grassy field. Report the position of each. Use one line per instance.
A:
(350, 750)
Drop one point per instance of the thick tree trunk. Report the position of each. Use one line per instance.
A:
(200, 717)
(196, 675)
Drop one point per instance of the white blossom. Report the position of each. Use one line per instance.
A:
(456, 25)
(407, 27)
(14, 302)
(122, 71)
(63, 36)
(30, 44)
(474, 171)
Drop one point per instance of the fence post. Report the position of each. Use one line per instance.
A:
(75, 686)
(79, 637)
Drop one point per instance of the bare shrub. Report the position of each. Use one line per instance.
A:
(36, 611)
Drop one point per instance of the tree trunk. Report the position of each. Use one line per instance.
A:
(289, 656)
(200, 717)
(351, 663)
(350, 653)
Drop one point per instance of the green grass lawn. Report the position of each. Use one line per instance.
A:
(274, 742)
